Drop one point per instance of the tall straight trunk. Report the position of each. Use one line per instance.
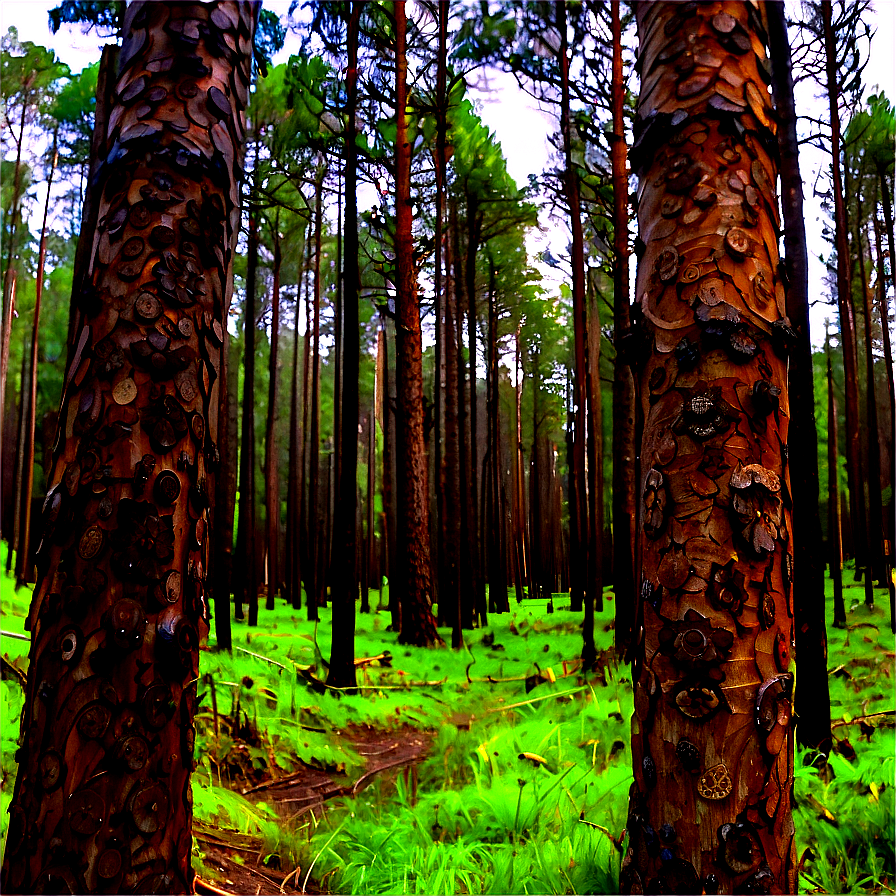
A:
(305, 546)
(389, 480)
(474, 235)
(102, 796)
(412, 569)
(345, 532)
(23, 571)
(889, 533)
(594, 593)
(518, 516)
(844, 304)
(370, 552)
(813, 704)
(441, 575)
(225, 491)
(19, 474)
(494, 526)
(875, 522)
(835, 542)
(582, 586)
(576, 521)
(888, 220)
(271, 465)
(316, 570)
(465, 570)
(245, 584)
(712, 735)
(624, 454)
(9, 282)
(296, 478)
(450, 595)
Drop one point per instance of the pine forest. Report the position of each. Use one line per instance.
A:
(434, 433)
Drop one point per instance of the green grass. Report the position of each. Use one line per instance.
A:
(477, 816)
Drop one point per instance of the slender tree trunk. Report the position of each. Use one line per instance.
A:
(890, 531)
(875, 524)
(19, 478)
(23, 570)
(519, 524)
(225, 490)
(624, 454)
(246, 579)
(9, 282)
(102, 798)
(582, 588)
(412, 573)
(371, 496)
(313, 598)
(835, 543)
(712, 737)
(306, 547)
(813, 704)
(271, 464)
(389, 484)
(342, 656)
(844, 303)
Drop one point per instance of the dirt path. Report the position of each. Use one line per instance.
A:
(238, 859)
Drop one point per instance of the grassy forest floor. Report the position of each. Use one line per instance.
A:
(501, 768)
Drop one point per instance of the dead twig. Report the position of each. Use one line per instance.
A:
(858, 719)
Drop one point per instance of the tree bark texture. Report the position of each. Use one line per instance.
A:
(813, 704)
(271, 465)
(412, 569)
(712, 737)
(835, 539)
(102, 797)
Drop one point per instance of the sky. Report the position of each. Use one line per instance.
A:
(523, 128)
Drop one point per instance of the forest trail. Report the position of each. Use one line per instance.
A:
(239, 858)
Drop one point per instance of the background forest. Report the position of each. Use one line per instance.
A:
(335, 753)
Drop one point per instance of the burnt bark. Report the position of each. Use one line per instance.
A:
(108, 735)
(712, 731)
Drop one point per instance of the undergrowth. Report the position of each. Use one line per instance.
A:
(524, 787)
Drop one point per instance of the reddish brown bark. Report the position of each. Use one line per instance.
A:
(102, 797)
(712, 738)
(412, 569)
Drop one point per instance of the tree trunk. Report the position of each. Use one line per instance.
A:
(412, 569)
(712, 738)
(315, 567)
(624, 454)
(389, 481)
(582, 588)
(813, 704)
(23, 571)
(112, 680)
(342, 656)
(875, 523)
(844, 304)
(835, 542)
(245, 584)
(890, 532)
(271, 465)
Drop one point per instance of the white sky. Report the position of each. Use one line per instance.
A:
(519, 124)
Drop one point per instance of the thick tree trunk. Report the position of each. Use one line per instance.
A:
(412, 569)
(712, 738)
(835, 542)
(813, 704)
(23, 571)
(844, 303)
(271, 465)
(625, 473)
(345, 540)
(102, 798)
